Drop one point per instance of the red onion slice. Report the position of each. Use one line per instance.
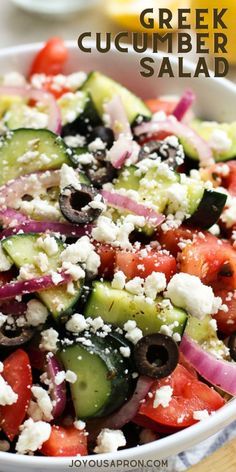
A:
(126, 413)
(12, 217)
(54, 114)
(32, 226)
(124, 148)
(218, 372)
(57, 392)
(118, 120)
(22, 287)
(120, 201)
(28, 184)
(13, 308)
(172, 126)
(184, 104)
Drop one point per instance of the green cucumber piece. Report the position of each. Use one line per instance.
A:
(204, 334)
(78, 112)
(205, 130)
(22, 248)
(28, 150)
(103, 377)
(208, 210)
(102, 89)
(118, 306)
(127, 179)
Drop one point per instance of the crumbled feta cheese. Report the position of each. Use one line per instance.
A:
(96, 145)
(43, 401)
(48, 244)
(69, 177)
(60, 377)
(1, 367)
(79, 424)
(133, 333)
(125, 351)
(200, 415)
(74, 270)
(109, 440)
(96, 204)
(215, 230)
(70, 376)
(177, 198)
(75, 80)
(135, 286)
(26, 271)
(32, 436)
(49, 340)
(154, 284)
(229, 214)
(75, 141)
(81, 252)
(220, 141)
(56, 277)
(77, 323)
(105, 230)
(41, 261)
(7, 394)
(34, 411)
(163, 396)
(118, 281)
(188, 292)
(3, 319)
(36, 313)
(5, 263)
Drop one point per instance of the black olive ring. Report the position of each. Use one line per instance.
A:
(156, 355)
(74, 204)
(17, 338)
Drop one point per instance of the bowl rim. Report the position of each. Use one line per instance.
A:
(222, 417)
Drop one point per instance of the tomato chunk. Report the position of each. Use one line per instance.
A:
(171, 239)
(212, 260)
(51, 58)
(141, 265)
(107, 256)
(189, 395)
(56, 91)
(226, 319)
(65, 441)
(161, 104)
(17, 373)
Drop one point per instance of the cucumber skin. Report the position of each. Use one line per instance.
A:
(88, 117)
(120, 382)
(10, 151)
(103, 88)
(118, 306)
(23, 256)
(209, 209)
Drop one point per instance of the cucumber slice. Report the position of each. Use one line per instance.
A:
(22, 249)
(102, 89)
(7, 102)
(127, 179)
(118, 306)
(209, 209)
(205, 129)
(78, 113)
(28, 150)
(20, 115)
(203, 332)
(103, 382)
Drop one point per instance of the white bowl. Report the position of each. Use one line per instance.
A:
(216, 99)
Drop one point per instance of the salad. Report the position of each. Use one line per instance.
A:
(117, 262)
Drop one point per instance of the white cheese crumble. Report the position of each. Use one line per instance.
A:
(97, 145)
(7, 394)
(79, 424)
(69, 177)
(125, 351)
(41, 261)
(135, 286)
(5, 263)
(3, 319)
(36, 313)
(70, 376)
(133, 333)
(220, 141)
(109, 440)
(154, 284)
(32, 436)
(34, 411)
(48, 244)
(81, 252)
(163, 396)
(200, 415)
(188, 292)
(49, 340)
(44, 402)
(118, 281)
(77, 323)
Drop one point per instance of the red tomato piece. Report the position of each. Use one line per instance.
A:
(212, 260)
(51, 58)
(56, 91)
(6, 277)
(161, 104)
(137, 265)
(226, 320)
(170, 239)
(157, 136)
(107, 256)
(189, 395)
(64, 442)
(17, 373)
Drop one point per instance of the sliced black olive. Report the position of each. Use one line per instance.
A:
(156, 355)
(101, 172)
(232, 346)
(168, 153)
(16, 337)
(74, 204)
(104, 133)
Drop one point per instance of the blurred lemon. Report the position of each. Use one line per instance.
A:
(229, 19)
(126, 13)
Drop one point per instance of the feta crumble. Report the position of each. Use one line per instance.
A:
(49, 340)
(77, 323)
(133, 333)
(44, 402)
(36, 313)
(32, 436)
(118, 281)
(7, 394)
(163, 396)
(109, 441)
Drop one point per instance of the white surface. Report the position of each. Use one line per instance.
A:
(216, 100)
